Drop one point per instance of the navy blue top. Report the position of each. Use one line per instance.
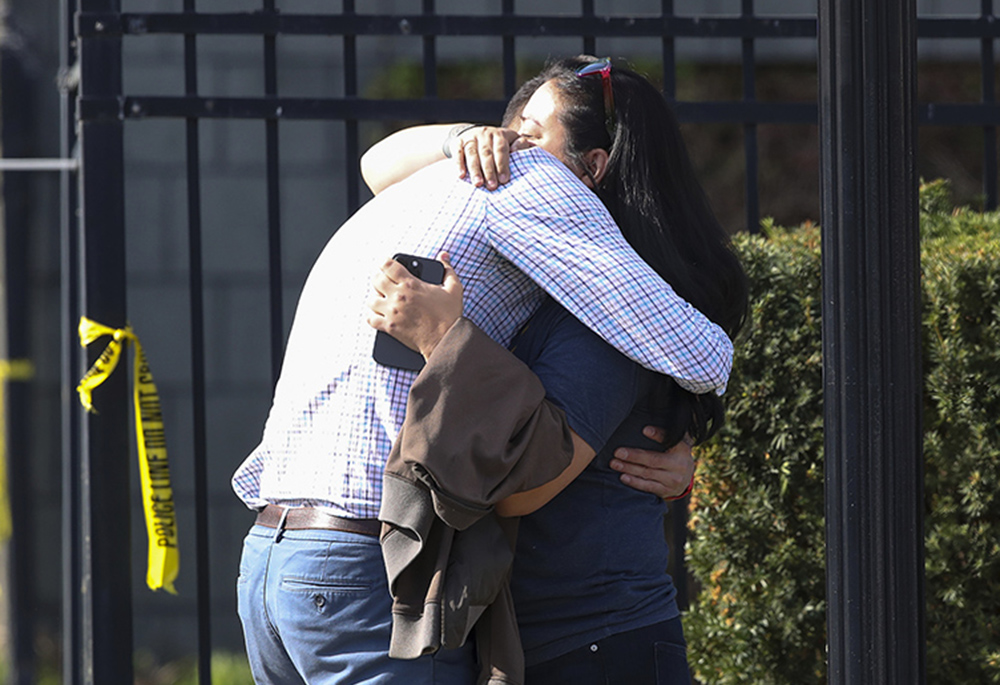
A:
(592, 562)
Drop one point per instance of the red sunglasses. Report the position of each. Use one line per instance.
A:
(603, 67)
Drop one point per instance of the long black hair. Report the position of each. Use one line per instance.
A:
(651, 190)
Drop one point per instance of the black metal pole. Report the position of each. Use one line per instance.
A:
(509, 61)
(352, 145)
(871, 342)
(18, 134)
(988, 87)
(669, 53)
(589, 42)
(70, 372)
(106, 633)
(275, 278)
(199, 411)
(750, 146)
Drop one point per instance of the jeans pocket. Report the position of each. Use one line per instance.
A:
(328, 597)
(671, 664)
(253, 559)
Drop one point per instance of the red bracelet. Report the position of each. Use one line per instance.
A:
(687, 491)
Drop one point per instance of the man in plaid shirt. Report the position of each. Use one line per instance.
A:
(336, 412)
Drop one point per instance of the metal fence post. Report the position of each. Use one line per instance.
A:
(69, 297)
(106, 633)
(17, 133)
(871, 342)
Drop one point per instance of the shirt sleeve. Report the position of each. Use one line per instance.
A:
(551, 227)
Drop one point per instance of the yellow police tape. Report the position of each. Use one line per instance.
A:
(10, 370)
(154, 470)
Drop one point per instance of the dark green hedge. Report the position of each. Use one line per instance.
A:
(757, 513)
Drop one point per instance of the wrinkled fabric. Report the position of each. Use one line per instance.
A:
(447, 554)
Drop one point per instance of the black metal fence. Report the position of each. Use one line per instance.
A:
(98, 623)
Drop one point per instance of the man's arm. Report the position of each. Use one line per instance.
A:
(421, 315)
(557, 232)
(571, 247)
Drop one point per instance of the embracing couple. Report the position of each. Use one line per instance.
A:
(406, 520)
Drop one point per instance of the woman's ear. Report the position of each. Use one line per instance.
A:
(596, 163)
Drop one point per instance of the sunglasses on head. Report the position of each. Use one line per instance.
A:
(603, 67)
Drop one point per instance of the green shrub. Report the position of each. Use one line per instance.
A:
(757, 514)
(961, 268)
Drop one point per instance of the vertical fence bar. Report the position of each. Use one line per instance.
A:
(430, 56)
(351, 125)
(679, 509)
(589, 42)
(509, 59)
(105, 517)
(70, 371)
(18, 135)
(750, 128)
(989, 98)
(273, 203)
(871, 342)
(196, 298)
(669, 53)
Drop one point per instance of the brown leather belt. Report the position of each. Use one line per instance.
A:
(305, 518)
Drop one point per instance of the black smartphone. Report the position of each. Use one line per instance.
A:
(390, 352)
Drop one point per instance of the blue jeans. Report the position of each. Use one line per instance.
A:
(316, 609)
(654, 655)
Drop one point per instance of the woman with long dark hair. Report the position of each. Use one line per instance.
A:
(593, 601)
(651, 190)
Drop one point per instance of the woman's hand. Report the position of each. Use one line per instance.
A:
(416, 313)
(483, 154)
(666, 474)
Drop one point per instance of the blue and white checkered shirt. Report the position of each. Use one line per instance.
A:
(336, 412)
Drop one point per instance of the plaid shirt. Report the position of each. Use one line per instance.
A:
(336, 412)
